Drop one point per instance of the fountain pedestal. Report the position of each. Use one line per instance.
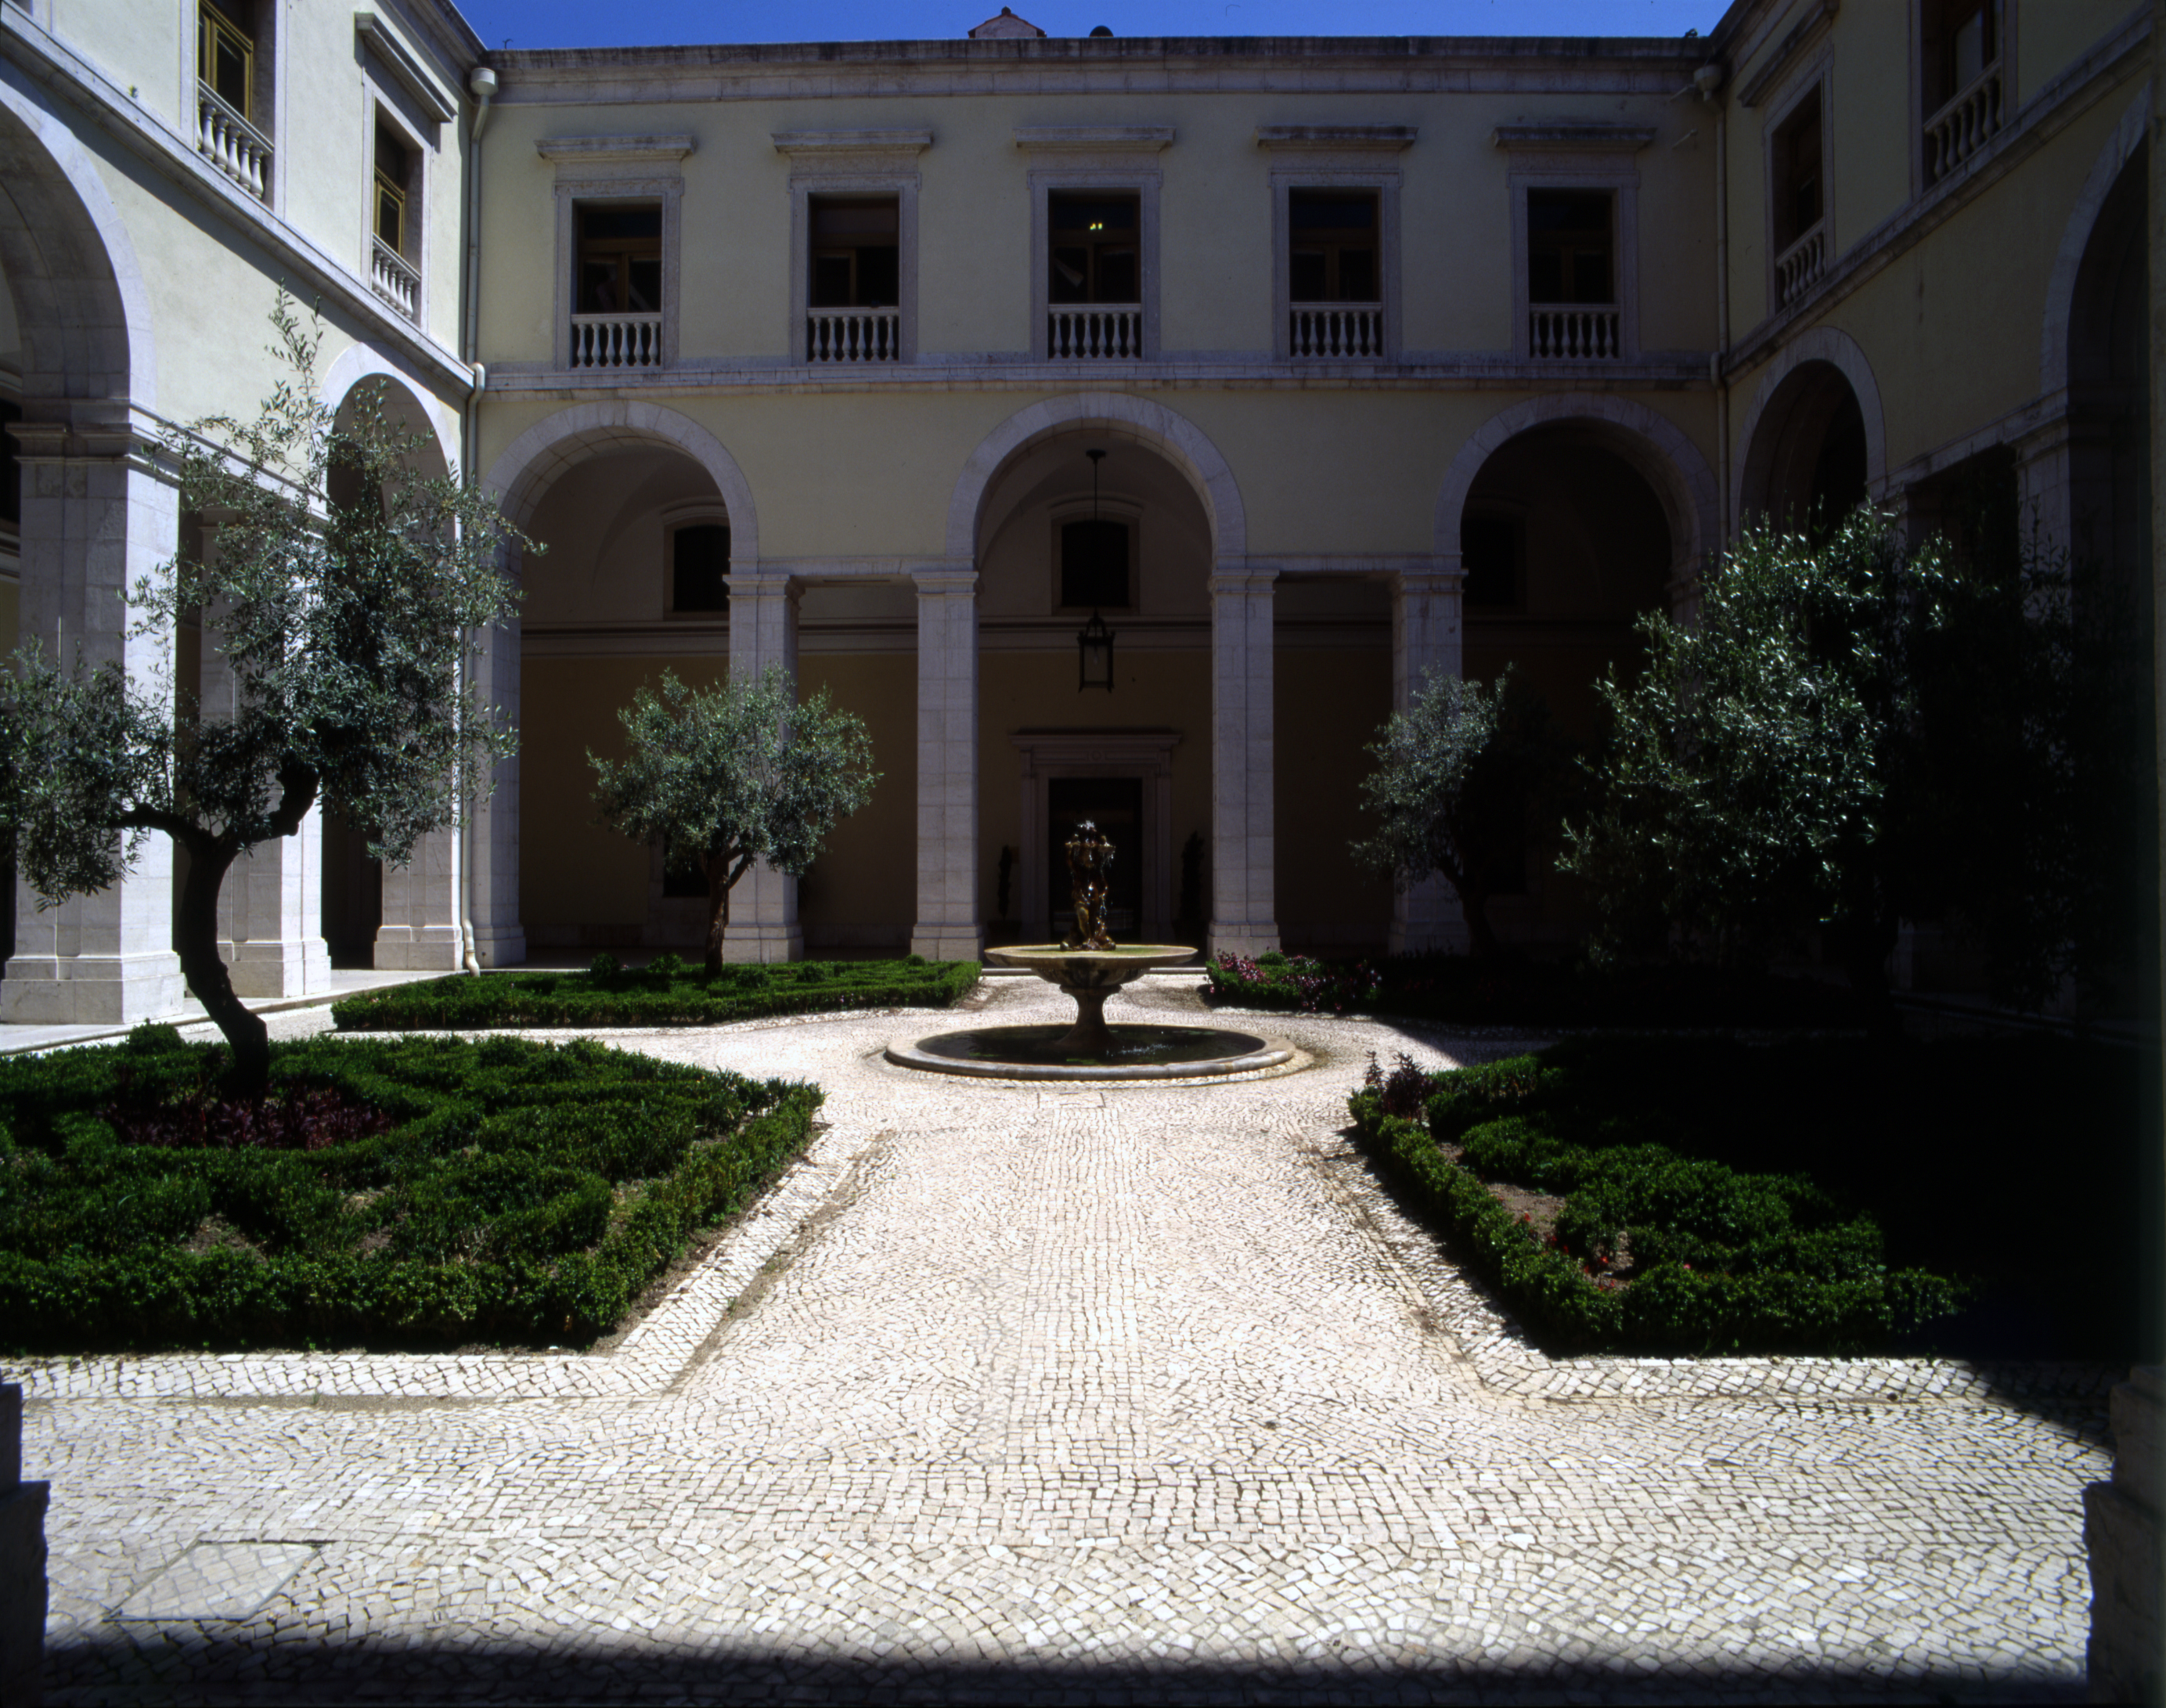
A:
(1091, 975)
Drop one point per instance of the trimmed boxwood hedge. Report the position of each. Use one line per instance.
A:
(667, 993)
(424, 1191)
(1722, 1260)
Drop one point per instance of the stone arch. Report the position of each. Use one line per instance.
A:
(1839, 351)
(1652, 443)
(1179, 440)
(2061, 284)
(78, 288)
(532, 461)
(358, 363)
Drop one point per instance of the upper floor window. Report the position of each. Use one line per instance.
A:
(394, 222)
(620, 264)
(855, 282)
(1960, 76)
(1331, 255)
(1097, 252)
(393, 168)
(1797, 171)
(1571, 246)
(225, 53)
(231, 119)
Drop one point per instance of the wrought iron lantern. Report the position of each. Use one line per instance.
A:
(1094, 644)
(1094, 664)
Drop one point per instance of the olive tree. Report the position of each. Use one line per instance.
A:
(1468, 778)
(342, 595)
(724, 776)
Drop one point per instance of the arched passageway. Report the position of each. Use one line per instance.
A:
(1807, 462)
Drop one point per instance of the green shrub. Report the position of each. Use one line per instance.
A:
(668, 992)
(502, 1190)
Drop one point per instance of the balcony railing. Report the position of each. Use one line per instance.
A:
(395, 281)
(1102, 332)
(1798, 268)
(617, 340)
(231, 144)
(853, 334)
(1964, 126)
(1337, 330)
(1574, 334)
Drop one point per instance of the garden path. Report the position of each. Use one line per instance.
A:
(1065, 1395)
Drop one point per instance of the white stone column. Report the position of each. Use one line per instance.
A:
(949, 925)
(1426, 642)
(96, 518)
(1243, 839)
(271, 907)
(764, 925)
(493, 827)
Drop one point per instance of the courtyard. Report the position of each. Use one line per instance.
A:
(1021, 1393)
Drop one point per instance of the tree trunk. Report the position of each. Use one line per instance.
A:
(1866, 944)
(718, 909)
(195, 936)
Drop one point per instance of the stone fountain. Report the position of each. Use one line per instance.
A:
(1090, 967)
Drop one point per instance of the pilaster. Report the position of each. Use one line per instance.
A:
(492, 823)
(949, 925)
(764, 924)
(1244, 842)
(1427, 640)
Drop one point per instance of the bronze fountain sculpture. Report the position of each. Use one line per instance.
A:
(1090, 967)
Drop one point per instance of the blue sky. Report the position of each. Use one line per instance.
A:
(654, 22)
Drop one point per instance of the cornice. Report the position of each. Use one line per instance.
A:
(1818, 20)
(2048, 113)
(1338, 139)
(571, 148)
(377, 36)
(1094, 139)
(309, 271)
(850, 144)
(1575, 138)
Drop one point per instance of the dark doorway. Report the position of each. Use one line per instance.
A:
(353, 896)
(1115, 805)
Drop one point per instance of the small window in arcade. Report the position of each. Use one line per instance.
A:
(225, 53)
(619, 260)
(856, 252)
(1332, 246)
(1570, 246)
(1797, 171)
(698, 568)
(1094, 565)
(1493, 553)
(1097, 255)
(392, 166)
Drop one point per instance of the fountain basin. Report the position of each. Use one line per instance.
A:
(1129, 1052)
(1089, 975)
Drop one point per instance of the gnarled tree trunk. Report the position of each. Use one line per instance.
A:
(195, 936)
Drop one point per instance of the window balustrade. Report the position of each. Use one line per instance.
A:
(395, 280)
(1799, 267)
(853, 334)
(1096, 331)
(1576, 333)
(617, 340)
(1336, 329)
(1964, 125)
(231, 144)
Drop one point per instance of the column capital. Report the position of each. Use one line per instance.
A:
(944, 581)
(1229, 578)
(763, 584)
(1438, 580)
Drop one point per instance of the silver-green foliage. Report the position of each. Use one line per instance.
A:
(723, 776)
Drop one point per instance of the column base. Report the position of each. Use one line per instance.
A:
(294, 968)
(761, 942)
(943, 941)
(119, 990)
(500, 945)
(419, 948)
(1247, 938)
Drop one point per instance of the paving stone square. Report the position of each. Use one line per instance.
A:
(1018, 1393)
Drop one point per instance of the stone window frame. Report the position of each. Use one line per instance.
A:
(269, 86)
(692, 513)
(1576, 158)
(423, 144)
(1123, 511)
(1119, 158)
(1811, 74)
(854, 163)
(2010, 28)
(1336, 157)
(593, 169)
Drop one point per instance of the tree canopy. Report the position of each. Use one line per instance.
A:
(724, 776)
(339, 596)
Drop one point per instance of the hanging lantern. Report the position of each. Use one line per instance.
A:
(1094, 646)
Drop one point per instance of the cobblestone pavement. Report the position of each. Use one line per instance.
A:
(1019, 1394)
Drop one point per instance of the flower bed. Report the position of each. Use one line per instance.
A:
(412, 1191)
(1651, 1248)
(668, 992)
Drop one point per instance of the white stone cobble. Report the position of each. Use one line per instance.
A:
(1112, 1395)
